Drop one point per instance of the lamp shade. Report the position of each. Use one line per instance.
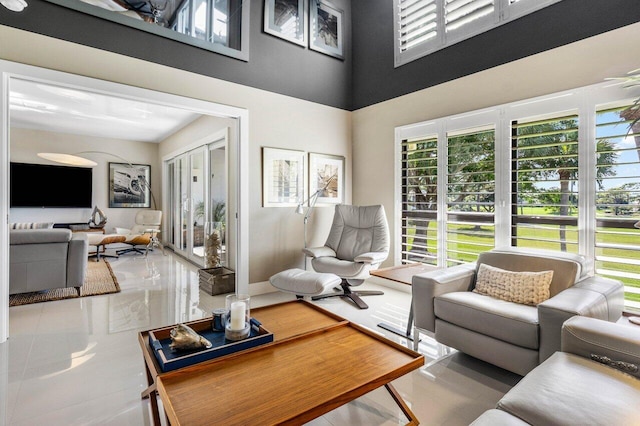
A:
(14, 5)
(72, 160)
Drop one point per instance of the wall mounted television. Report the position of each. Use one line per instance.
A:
(42, 185)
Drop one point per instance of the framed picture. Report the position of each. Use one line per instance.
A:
(283, 177)
(129, 185)
(326, 173)
(326, 33)
(286, 19)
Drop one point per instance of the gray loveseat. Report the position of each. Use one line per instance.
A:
(514, 336)
(43, 259)
(594, 380)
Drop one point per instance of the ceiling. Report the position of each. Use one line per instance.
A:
(39, 106)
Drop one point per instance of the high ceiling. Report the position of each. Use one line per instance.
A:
(63, 110)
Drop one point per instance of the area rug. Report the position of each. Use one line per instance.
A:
(100, 280)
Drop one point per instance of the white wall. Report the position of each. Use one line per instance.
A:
(26, 143)
(275, 234)
(583, 63)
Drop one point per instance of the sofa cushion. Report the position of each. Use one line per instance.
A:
(39, 236)
(568, 389)
(507, 321)
(31, 225)
(529, 288)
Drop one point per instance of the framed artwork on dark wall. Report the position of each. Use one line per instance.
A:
(129, 185)
(326, 28)
(286, 19)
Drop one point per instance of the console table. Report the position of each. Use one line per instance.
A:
(317, 362)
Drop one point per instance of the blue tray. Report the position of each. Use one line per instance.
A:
(160, 339)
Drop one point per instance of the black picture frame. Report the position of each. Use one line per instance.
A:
(129, 185)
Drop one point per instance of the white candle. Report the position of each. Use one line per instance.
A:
(237, 315)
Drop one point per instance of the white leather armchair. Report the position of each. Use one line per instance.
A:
(358, 242)
(140, 234)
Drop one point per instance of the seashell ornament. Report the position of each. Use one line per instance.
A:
(183, 338)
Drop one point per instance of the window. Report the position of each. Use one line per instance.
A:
(213, 21)
(470, 195)
(559, 172)
(424, 26)
(545, 181)
(448, 195)
(419, 200)
(617, 240)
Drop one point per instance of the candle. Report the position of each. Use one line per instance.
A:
(237, 315)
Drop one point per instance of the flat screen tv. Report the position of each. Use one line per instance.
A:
(41, 185)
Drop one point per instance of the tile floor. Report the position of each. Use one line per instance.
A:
(77, 361)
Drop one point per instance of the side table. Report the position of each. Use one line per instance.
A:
(402, 274)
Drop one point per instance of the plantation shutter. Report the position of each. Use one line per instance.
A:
(470, 195)
(418, 22)
(617, 241)
(461, 13)
(545, 183)
(419, 201)
(424, 26)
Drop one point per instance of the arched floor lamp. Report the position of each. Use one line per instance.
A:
(313, 198)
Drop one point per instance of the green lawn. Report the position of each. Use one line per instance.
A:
(466, 242)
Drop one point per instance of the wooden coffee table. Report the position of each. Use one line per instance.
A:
(317, 362)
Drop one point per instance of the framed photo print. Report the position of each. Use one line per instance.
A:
(326, 173)
(129, 185)
(283, 177)
(286, 19)
(326, 32)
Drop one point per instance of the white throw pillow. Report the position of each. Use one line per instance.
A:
(529, 288)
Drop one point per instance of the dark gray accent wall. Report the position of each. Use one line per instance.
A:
(274, 64)
(366, 76)
(376, 79)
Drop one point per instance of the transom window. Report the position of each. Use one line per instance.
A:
(424, 26)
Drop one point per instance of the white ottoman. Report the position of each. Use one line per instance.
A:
(304, 283)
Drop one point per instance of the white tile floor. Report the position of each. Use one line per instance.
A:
(77, 361)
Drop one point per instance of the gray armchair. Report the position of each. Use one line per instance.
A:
(358, 242)
(513, 336)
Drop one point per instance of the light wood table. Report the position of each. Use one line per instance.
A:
(317, 362)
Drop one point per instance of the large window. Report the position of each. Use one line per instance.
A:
(544, 201)
(419, 200)
(470, 195)
(424, 26)
(560, 172)
(617, 240)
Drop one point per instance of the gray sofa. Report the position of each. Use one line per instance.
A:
(43, 259)
(513, 336)
(594, 380)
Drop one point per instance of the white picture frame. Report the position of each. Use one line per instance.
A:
(327, 172)
(287, 19)
(326, 28)
(283, 177)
